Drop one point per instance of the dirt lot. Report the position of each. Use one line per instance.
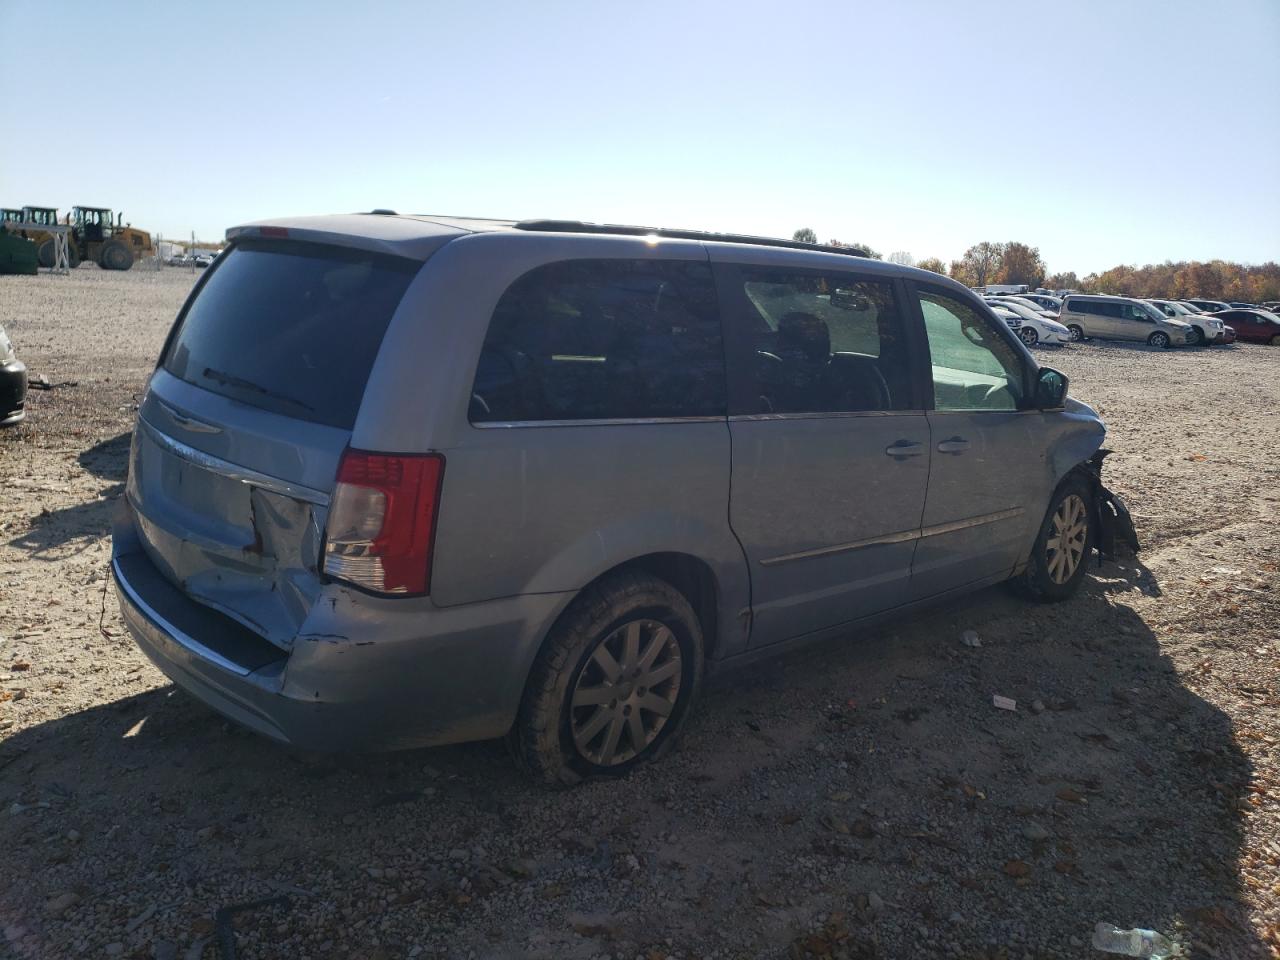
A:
(862, 800)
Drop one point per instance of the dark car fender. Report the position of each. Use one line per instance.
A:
(1111, 518)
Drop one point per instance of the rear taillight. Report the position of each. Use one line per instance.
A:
(382, 519)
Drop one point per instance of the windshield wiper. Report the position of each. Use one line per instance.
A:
(243, 384)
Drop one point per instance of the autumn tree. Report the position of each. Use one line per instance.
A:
(980, 263)
(933, 264)
(902, 257)
(1063, 281)
(805, 235)
(864, 247)
(1020, 263)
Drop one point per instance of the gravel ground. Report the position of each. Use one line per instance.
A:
(862, 800)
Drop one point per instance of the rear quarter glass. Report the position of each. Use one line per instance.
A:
(290, 327)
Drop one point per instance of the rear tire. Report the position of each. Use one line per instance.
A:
(1029, 335)
(1061, 553)
(613, 684)
(1158, 339)
(1275, 341)
(115, 256)
(1076, 331)
(45, 254)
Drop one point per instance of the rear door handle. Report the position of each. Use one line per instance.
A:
(954, 445)
(905, 448)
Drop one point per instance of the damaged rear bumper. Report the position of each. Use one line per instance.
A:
(436, 675)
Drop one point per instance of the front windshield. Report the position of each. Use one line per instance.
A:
(1025, 312)
(1178, 308)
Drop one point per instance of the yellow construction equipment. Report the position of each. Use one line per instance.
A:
(43, 239)
(113, 244)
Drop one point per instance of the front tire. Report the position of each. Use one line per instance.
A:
(1158, 339)
(1076, 331)
(1063, 545)
(45, 254)
(116, 256)
(613, 684)
(1197, 337)
(1030, 336)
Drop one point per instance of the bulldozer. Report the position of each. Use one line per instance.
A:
(113, 244)
(44, 240)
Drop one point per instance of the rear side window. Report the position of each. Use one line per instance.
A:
(603, 340)
(289, 327)
(824, 343)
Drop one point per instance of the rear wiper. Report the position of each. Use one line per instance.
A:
(233, 381)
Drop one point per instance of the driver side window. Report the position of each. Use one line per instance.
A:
(974, 368)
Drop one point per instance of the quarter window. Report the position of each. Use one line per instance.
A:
(974, 367)
(603, 339)
(824, 343)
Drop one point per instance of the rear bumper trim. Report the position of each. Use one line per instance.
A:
(178, 636)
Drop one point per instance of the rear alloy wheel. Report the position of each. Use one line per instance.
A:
(1030, 336)
(1076, 331)
(1158, 339)
(1060, 555)
(115, 256)
(613, 683)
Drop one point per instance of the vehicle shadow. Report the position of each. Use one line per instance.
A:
(1111, 794)
(80, 526)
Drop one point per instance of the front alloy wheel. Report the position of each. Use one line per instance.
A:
(1076, 332)
(1158, 339)
(1064, 548)
(1057, 564)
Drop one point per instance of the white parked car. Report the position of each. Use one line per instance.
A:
(1045, 301)
(1035, 326)
(1207, 328)
(1008, 316)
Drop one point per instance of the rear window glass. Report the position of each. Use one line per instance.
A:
(600, 340)
(289, 327)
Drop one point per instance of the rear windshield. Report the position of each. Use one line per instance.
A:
(290, 327)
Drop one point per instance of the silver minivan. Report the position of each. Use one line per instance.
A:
(1122, 318)
(399, 481)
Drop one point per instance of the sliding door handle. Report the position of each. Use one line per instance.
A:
(954, 445)
(905, 448)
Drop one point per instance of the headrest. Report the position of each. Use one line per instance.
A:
(806, 333)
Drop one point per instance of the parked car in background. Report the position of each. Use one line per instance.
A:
(1025, 301)
(202, 260)
(13, 383)
(342, 403)
(1228, 334)
(1208, 306)
(1207, 329)
(1122, 318)
(1011, 319)
(1045, 301)
(1257, 326)
(1240, 305)
(1035, 327)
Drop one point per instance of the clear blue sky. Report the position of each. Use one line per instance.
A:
(1101, 132)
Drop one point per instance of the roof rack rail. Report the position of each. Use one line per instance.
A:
(582, 226)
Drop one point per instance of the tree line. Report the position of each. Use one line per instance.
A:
(988, 263)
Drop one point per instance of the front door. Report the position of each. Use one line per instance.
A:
(830, 441)
(983, 485)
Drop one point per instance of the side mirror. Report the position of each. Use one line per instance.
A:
(1051, 389)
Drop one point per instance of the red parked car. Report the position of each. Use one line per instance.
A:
(1228, 333)
(1259, 326)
